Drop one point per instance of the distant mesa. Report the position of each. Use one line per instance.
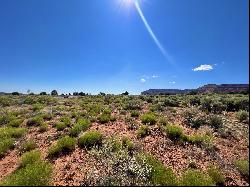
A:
(209, 88)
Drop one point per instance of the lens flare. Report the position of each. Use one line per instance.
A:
(157, 42)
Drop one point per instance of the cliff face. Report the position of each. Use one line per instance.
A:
(224, 88)
(209, 88)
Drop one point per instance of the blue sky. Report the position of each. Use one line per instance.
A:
(100, 46)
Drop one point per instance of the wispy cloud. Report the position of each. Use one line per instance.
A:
(143, 80)
(172, 82)
(155, 76)
(204, 67)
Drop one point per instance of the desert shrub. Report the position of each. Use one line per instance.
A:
(135, 113)
(242, 115)
(6, 118)
(114, 143)
(194, 101)
(148, 118)
(171, 101)
(15, 123)
(160, 175)
(125, 169)
(5, 101)
(5, 145)
(156, 107)
(30, 158)
(196, 178)
(43, 128)
(66, 120)
(28, 145)
(215, 173)
(90, 139)
(143, 131)
(62, 145)
(174, 132)
(194, 119)
(37, 107)
(46, 116)
(35, 121)
(104, 118)
(113, 118)
(235, 103)
(60, 126)
(162, 122)
(215, 122)
(46, 100)
(10, 132)
(198, 139)
(133, 105)
(37, 174)
(81, 125)
(131, 123)
(243, 167)
(127, 143)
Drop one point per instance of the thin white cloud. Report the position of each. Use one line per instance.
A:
(204, 67)
(143, 80)
(172, 82)
(155, 76)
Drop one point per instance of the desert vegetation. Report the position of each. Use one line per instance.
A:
(174, 140)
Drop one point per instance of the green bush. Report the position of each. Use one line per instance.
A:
(90, 139)
(114, 143)
(112, 118)
(196, 178)
(37, 174)
(30, 158)
(135, 113)
(15, 123)
(44, 127)
(28, 145)
(127, 143)
(64, 144)
(194, 119)
(174, 132)
(243, 167)
(60, 126)
(172, 102)
(216, 174)
(5, 101)
(37, 107)
(81, 125)
(215, 122)
(242, 115)
(198, 139)
(66, 120)
(143, 131)
(35, 121)
(148, 118)
(5, 145)
(6, 132)
(104, 118)
(46, 116)
(160, 175)
(6, 118)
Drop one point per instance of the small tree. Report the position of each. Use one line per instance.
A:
(15, 93)
(43, 93)
(54, 92)
(102, 94)
(125, 93)
(75, 93)
(82, 94)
